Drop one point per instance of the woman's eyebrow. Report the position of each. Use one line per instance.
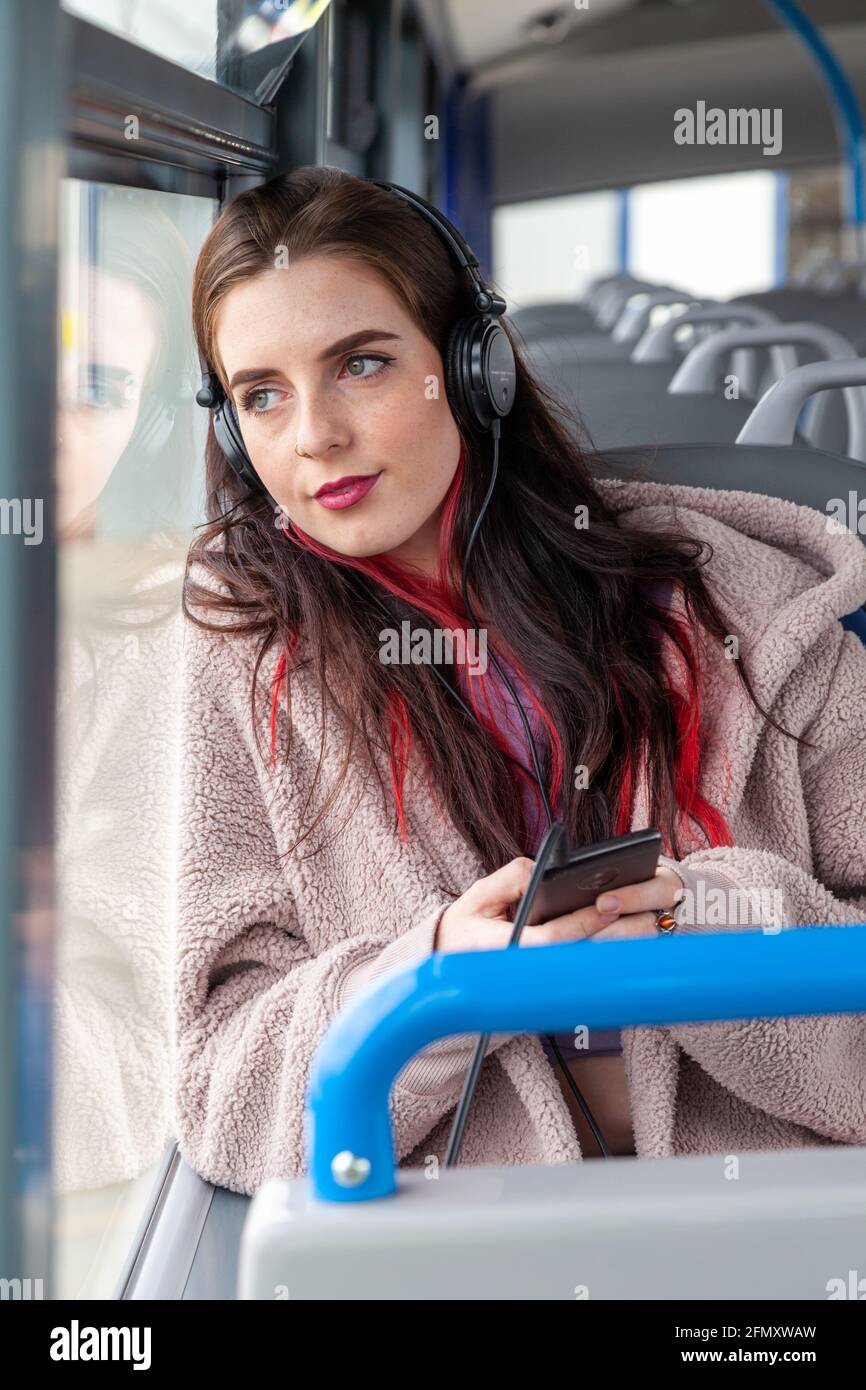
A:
(367, 335)
(353, 340)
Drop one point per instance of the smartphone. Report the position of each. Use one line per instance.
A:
(590, 871)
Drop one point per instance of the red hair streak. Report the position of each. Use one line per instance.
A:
(693, 806)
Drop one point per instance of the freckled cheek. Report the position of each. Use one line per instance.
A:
(408, 414)
(419, 437)
(273, 459)
(389, 423)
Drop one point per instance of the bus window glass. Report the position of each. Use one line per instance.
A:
(128, 494)
(550, 249)
(235, 43)
(716, 237)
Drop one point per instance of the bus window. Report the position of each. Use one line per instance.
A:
(128, 480)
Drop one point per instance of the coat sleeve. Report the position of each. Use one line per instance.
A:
(807, 1070)
(253, 999)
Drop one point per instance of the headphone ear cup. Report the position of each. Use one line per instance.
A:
(499, 370)
(451, 375)
(457, 381)
(228, 435)
(480, 372)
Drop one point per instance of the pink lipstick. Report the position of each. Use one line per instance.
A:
(345, 492)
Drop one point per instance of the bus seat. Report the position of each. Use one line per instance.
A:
(623, 404)
(619, 414)
(549, 320)
(844, 312)
(796, 472)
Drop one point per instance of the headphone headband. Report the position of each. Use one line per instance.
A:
(462, 251)
(460, 248)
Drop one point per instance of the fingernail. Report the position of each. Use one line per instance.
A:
(608, 903)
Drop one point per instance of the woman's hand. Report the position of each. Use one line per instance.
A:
(478, 919)
(631, 911)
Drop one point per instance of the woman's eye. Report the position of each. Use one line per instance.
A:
(259, 401)
(106, 388)
(356, 363)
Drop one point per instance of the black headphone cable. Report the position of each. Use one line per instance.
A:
(555, 850)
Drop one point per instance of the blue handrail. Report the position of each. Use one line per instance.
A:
(550, 989)
(846, 106)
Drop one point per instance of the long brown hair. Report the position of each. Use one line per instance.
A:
(579, 604)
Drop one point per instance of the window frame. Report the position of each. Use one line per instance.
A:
(193, 134)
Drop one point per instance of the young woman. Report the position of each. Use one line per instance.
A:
(678, 651)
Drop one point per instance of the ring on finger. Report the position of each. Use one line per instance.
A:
(665, 923)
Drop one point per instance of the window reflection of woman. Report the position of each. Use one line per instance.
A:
(124, 474)
(100, 397)
(125, 446)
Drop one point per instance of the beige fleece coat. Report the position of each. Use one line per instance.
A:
(269, 952)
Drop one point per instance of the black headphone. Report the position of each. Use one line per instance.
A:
(480, 375)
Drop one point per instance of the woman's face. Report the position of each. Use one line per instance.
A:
(322, 357)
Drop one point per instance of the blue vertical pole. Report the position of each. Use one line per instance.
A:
(846, 108)
(623, 228)
(466, 191)
(449, 167)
